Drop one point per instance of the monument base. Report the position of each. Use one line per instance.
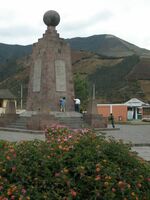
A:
(6, 119)
(95, 120)
(40, 121)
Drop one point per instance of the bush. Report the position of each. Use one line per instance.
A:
(72, 165)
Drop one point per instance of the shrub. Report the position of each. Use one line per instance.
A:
(72, 165)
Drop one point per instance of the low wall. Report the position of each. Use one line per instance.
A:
(95, 120)
(6, 119)
(41, 121)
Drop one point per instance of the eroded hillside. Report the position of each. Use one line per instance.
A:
(120, 70)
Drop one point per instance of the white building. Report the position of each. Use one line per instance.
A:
(134, 108)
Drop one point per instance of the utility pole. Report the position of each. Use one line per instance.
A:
(21, 95)
(93, 92)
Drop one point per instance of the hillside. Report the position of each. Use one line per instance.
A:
(107, 45)
(13, 52)
(119, 69)
(110, 76)
(141, 70)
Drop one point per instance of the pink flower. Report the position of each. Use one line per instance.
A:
(57, 174)
(13, 168)
(8, 157)
(14, 155)
(12, 150)
(65, 139)
(23, 191)
(1, 187)
(73, 193)
(148, 179)
(12, 197)
(97, 178)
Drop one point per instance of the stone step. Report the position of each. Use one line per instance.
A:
(73, 122)
(19, 123)
(16, 126)
(22, 119)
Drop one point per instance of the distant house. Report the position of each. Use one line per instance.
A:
(135, 108)
(5, 96)
(131, 110)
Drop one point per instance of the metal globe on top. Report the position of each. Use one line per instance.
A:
(51, 18)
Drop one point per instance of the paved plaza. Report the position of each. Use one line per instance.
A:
(18, 136)
(139, 135)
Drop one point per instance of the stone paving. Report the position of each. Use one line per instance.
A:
(18, 136)
(138, 135)
(143, 151)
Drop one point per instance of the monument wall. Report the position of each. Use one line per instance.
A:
(50, 74)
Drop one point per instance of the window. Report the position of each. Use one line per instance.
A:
(146, 111)
(1, 103)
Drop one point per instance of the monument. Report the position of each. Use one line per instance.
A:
(51, 70)
(51, 79)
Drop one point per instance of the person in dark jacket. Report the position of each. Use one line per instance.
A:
(111, 118)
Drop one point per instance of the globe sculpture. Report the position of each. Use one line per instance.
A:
(51, 18)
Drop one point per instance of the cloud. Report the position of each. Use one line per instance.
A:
(20, 34)
(103, 15)
(17, 31)
(81, 26)
(21, 21)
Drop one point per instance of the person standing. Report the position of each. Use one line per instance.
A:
(111, 118)
(77, 104)
(62, 103)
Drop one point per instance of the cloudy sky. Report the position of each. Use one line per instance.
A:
(21, 22)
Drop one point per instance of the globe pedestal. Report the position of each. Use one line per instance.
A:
(51, 76)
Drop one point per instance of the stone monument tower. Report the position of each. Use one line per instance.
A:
(51, 70)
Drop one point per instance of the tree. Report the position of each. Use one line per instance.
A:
(81, 89)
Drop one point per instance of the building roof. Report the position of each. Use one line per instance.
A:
(134, 102)
(111, 104)
(6, 94)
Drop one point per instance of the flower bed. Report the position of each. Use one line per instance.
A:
(72, 165)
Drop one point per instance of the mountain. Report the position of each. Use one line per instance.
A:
(107, 45)
(110, 76)
(119, 69)
(13, 52)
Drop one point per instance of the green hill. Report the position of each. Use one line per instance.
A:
(13, 52)
(119, 69)
(107, 45)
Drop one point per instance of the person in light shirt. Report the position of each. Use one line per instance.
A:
(77, 104)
